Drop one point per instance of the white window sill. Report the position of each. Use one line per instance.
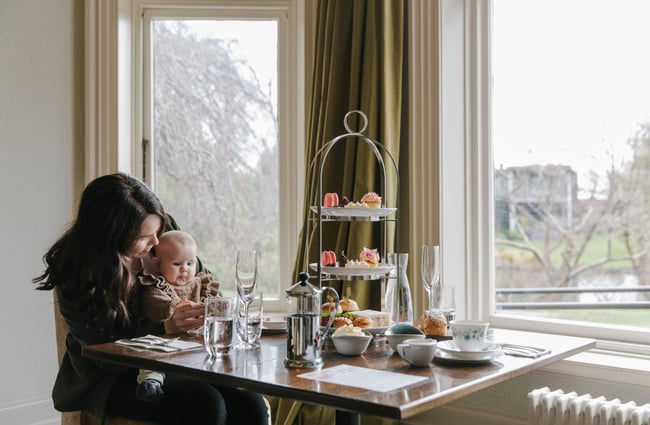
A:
(613, 366)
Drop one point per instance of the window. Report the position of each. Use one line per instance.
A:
(214, 136)
(534, 190)
(570, 119)
(121, 120)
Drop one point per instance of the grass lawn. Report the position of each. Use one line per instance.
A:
(595, 250)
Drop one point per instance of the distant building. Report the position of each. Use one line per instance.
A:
(532, 191)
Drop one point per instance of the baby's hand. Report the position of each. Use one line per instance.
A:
(187, 315)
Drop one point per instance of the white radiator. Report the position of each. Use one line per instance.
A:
(546, 407)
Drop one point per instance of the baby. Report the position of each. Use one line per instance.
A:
(175, 281)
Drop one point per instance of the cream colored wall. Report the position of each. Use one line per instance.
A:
(41, 140)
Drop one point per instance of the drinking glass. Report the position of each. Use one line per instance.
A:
(431, 271)
(218, 325)
(250, 329)
(447, 303)
(246, 277)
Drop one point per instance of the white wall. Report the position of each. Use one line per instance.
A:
(41, 141)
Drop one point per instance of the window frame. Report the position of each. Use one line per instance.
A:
(467, 168)
(114, 88)
(449, 125)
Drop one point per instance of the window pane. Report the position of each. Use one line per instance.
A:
(571, 133)
(215, 139)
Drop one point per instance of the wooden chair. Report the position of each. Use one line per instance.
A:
(86, 417)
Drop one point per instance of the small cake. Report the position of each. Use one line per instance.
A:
(433, 323)
(370, 256)
(330, 307)
(372, 200)
(345, 201)
(331, 200)
(343, 260)
(380, 319)
(348, 305)
(328, 258)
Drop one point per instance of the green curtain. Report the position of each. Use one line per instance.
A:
(360, 64)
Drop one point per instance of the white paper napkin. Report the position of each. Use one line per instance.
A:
(152, 342)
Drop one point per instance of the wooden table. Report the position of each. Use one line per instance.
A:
(262, 371)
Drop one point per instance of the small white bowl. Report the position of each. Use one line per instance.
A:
(352, 345)
(397, 334)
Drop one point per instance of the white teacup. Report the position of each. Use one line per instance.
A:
(469, 335)
(417, 352)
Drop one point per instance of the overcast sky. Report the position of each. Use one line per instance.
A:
(571, 80)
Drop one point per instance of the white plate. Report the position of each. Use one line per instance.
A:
(382, 269)
(274, 324)
(450, 358)
(354, 212)
(487, 354)
(273, 331)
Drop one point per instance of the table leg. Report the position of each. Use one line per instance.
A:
(347, 418)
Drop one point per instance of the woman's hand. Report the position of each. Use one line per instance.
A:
(187, 316)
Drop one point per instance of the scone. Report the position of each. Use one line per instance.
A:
(362, 322)
(433, 323)
(341, 321)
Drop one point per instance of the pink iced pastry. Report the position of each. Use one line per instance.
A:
(370, 256)
(372, 200)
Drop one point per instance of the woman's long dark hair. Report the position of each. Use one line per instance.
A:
(86, 262)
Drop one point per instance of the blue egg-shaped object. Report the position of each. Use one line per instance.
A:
(404, 328)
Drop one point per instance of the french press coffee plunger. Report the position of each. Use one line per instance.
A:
(304, 340)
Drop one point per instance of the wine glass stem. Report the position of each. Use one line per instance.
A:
(246, 304)
(432, 293)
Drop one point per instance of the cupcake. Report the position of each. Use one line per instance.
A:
(372, 200)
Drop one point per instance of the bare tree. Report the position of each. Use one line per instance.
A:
(216, 167)
(551, 229)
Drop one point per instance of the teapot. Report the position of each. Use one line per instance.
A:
(304, 340)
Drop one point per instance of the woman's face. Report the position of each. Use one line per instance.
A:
(147, 238)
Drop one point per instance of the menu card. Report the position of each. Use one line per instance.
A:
(361, 377)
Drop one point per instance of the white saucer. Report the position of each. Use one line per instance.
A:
(274, 324)
(450, 358)
(276, 331)
(449, 349)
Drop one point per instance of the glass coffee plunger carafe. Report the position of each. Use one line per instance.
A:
(303, 322)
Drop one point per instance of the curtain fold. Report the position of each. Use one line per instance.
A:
(359, 64)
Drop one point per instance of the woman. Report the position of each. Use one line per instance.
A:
(93, 269)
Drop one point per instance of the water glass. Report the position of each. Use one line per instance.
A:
(447, 303)
(218, 325)
(249, 335)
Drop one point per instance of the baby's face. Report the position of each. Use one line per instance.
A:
(177, 264)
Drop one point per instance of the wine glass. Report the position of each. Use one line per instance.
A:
(431, 271)
(246, 276)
